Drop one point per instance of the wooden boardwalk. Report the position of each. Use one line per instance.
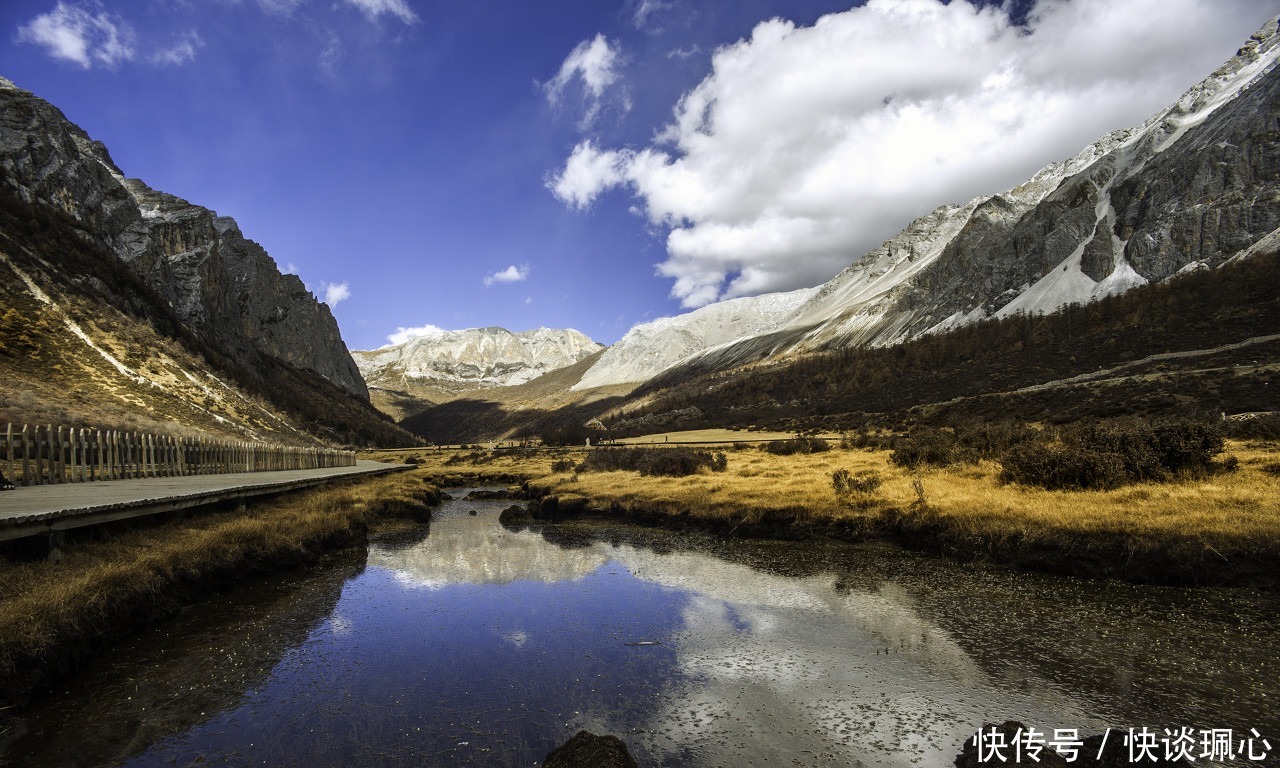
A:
(51, 509)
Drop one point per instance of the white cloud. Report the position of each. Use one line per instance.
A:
(180, 52)
(83, 33)
(375, 8)
(403, 334)
(335, 293)
(587, 173)
(511, 274)
(593, 62)
(645, 9)
(279, 7)
(804, 147)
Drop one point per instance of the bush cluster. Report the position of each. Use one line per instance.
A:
(665, 462)
(1258, 428)
(856, 490)
(563, 465)
(475, 457)
(1103, 455)
(931, 447)
(965, 443)
(797, 445)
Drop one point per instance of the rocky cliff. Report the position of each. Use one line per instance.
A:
(224, 287)
(1191, 188)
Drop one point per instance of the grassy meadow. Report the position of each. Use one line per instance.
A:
(1222, 515)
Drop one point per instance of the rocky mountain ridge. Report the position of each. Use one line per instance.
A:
(226, 288)
(474, 358)
(1192, 187)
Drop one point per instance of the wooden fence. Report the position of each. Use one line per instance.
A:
(43, 455)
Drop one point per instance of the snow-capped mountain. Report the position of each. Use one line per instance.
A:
(1193, 186)
(652, 347)
(473, 358)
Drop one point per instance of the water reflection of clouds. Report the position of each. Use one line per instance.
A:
(783, 666)
(517, 638)
(771, 666)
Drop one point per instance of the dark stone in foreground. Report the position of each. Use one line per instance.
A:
(515, 518)
(587, 750)
(484, 494)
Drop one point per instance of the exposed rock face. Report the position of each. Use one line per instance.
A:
(223, 286)
(1194, 186)
(474, 358)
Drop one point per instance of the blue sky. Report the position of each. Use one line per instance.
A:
(594, 164)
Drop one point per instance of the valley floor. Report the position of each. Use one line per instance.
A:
(1222, 530)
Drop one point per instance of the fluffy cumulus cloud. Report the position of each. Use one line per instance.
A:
(397, 8)
(511, 274)
(334, 293)
(594, 64)
(403, 334)
(806, 146)
(81, 33)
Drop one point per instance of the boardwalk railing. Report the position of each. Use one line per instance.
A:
(42, 455)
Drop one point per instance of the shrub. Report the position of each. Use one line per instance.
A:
(1103, 455)
(797, 445)
(927, 446)
(1063, 467)
(1271, 468)
(563, 465)
(665, 462)
(1265, 427)
(855, 490)
(991, 439)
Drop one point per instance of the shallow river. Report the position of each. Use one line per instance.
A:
(476, 645)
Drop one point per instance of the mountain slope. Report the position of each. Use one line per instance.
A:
(1191, 187)
(224, 287)
(123, 307)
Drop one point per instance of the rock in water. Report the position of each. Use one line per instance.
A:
(587, 750)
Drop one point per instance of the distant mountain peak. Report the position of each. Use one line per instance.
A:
(476, 357)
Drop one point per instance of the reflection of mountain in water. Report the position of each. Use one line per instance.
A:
(476, 550)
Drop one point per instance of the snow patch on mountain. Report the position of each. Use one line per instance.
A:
(478, 356)
(651, 348)
(894, 292)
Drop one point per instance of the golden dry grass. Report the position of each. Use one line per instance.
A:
(50, 612)
(1238, 510)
